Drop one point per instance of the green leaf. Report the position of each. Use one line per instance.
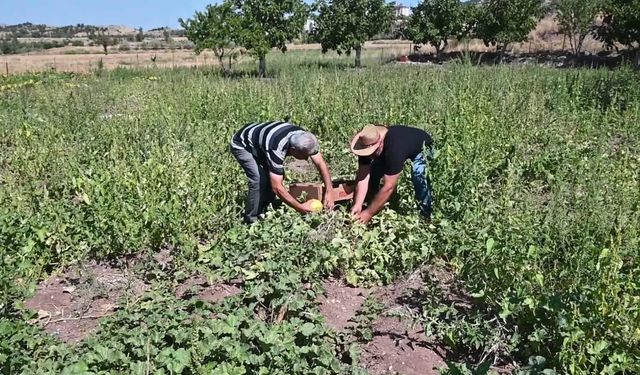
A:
(597, 347)
(352, 278)
(308, 329)
(490, 243)
(79, 368)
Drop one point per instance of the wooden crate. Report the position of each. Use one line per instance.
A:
(343, 190)
(312, 190)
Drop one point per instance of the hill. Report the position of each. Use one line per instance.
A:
(30, 30)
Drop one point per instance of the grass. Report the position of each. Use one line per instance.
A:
(537, 212)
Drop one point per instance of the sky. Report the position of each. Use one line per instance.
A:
(147, 14)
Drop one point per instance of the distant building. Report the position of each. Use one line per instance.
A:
(402, 11)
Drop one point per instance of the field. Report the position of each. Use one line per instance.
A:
(544, 40)
(88, 59)
(121, 207)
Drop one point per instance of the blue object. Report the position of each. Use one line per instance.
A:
(422, 183)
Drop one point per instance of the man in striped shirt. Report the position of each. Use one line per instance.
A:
(261, 148)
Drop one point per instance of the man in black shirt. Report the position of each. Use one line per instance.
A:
(382, 152)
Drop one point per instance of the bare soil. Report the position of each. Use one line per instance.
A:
(70, 305)
(398, 345)
(341, 303)
(200, 288)
(399, 348)
(300, 166)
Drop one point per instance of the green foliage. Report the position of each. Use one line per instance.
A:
(500, 22)
(14, 46)
(218, 29)
(577, 20)
(190, 338)
(536, 184)
(29, 30)
(103, 39)
(268, 24)
(435, 22)
(621, 23)
(345, 25)
(140, 35)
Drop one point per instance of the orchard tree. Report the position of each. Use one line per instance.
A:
(218, 29)
(103, 39)
(576, 19)
(267, 24)
(435, 21)
(345, 25)
(500, 22)
(140, 35)
(620, 23)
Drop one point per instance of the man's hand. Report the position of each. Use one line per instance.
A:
(321, 165)
(329, 199)
(306, 207)
(364, 217)
(355, 210)
(278, 188)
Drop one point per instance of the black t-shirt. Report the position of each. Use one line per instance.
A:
(401, 143)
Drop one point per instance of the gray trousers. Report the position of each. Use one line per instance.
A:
(260, 194)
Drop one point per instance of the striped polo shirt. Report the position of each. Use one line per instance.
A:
(268, 141)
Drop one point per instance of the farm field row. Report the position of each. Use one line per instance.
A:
(120, 205)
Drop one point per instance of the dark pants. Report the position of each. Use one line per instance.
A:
(419, 177)
(260, 194)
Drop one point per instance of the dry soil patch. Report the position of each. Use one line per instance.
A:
(398, 345)
(200, 288)
(70, 305)
(340, 303)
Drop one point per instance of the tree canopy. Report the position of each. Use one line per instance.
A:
(345, 25)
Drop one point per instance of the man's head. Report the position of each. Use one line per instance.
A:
(368, 142)
(302, 145)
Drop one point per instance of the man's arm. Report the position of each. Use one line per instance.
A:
(320, 164)
(390, 183)
(277, 186)
(362, 186)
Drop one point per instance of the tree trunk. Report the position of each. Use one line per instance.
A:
(573, 44)
(440, 47)
(262, 66)
(359, 57)
(501, 48)
(221, 61)
(580, 43)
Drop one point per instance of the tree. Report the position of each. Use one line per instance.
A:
(140, 35)
(469, 10)
(101, 38)
(218, 29)
(435, 21)
(345, 25)
(166, 35)
(620, 23)
(500, 22)
(267, 24)
(576, 19)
